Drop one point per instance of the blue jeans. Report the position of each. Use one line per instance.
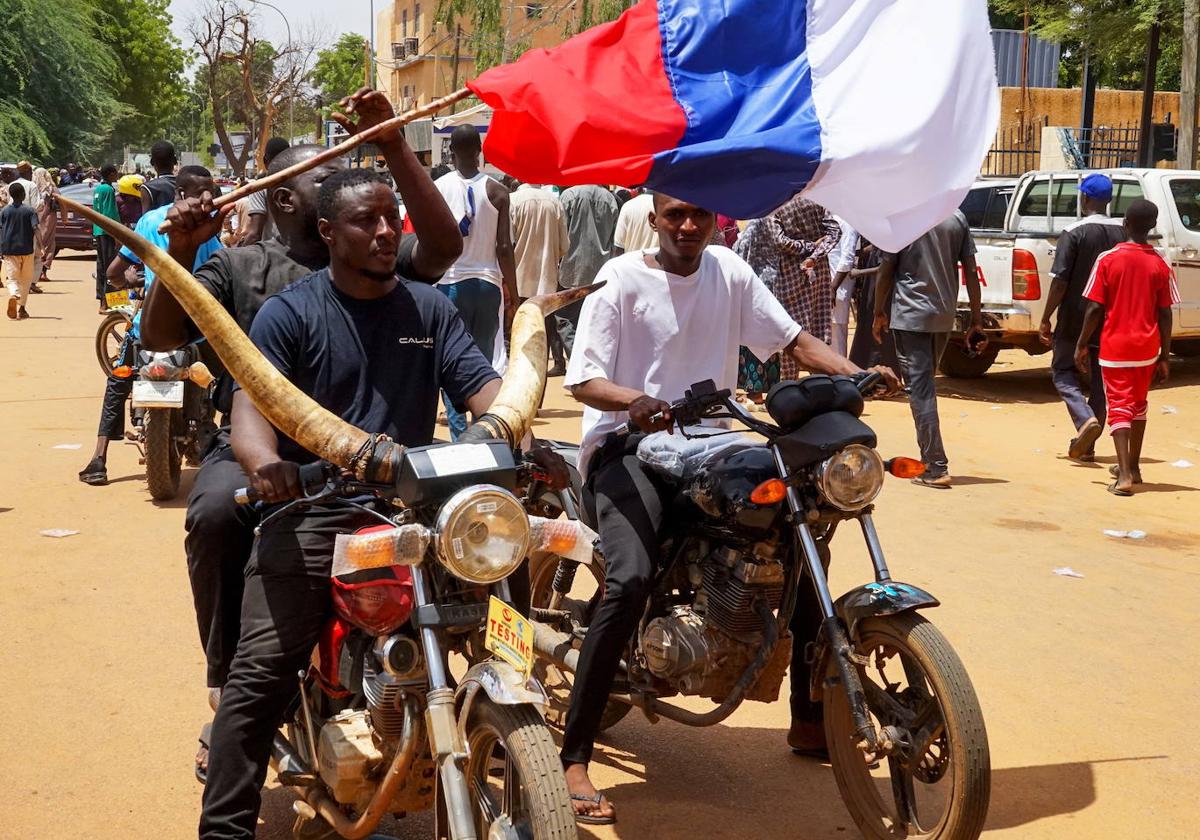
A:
(1067, 382)
(478, 303)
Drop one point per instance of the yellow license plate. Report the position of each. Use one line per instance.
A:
(509, 635)
(114, 300)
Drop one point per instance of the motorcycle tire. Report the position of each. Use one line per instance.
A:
(163, 459)
(954, 766)
(551, 677)
(541, 808)
(110, 338)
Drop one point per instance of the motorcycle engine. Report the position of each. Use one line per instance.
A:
(703, 648)
(347, 755)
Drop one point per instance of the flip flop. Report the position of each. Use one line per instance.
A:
(95, 473)
(1081, 445)
(205, 737)
(588, 819)
(1116, 491)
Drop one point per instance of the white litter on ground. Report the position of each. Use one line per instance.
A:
(58, 532)
(69, 446)
(1067, 571)
(1125, 535)
(997, 408)
(1170, 409)
(1182, 464)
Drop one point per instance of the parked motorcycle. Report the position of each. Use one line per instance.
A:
(171, 412)
(380, 725)
(905, 733)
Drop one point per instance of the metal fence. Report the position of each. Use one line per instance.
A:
(1106, 146)
(1017, 149)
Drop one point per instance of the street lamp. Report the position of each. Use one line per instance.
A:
(292, 96)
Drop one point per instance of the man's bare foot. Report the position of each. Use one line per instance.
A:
(591, 806)
(1135, 475)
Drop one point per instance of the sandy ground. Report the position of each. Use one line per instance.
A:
(1085, 683)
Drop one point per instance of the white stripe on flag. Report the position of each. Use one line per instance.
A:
(905, 91)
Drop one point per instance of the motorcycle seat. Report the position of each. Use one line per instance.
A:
(679, 459)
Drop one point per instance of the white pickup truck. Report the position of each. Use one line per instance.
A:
(1015, 260)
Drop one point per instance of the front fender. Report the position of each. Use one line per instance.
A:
(875, 599)
(502, 683)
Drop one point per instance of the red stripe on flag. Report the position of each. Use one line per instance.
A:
(594, 110)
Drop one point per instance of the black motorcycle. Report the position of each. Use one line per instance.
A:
(752, 526)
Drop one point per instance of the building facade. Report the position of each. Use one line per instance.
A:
(420, 58)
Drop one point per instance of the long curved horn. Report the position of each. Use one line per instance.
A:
(287, 408)
(511, 414)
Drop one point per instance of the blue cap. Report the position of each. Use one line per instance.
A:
(1097, 186)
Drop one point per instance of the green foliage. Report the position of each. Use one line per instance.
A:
(339, 69)
(593, 12)
(57, 80)
(1112, 33)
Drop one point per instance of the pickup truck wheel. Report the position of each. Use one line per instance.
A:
(1186, 348)
(956, 363)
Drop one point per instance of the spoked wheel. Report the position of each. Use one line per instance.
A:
(528, 800)
(110, 338)
(555, 680)
(936, 784)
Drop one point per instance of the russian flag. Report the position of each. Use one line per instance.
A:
(880, 110)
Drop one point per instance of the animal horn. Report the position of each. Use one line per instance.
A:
(511, 414)
(287, 408)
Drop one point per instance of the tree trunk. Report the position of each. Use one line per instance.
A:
(1186, 154)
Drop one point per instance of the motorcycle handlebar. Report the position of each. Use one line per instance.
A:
(312, 478)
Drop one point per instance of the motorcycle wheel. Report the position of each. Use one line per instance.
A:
(110, 338)
(556, 681)
(530, 799)
(163, 459)
(938, 788)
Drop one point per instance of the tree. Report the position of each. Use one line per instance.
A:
(56, 81)
(246, 77)
(339, 70)
(1112, 33)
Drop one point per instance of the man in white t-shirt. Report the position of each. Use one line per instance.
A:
(633, 231)
(666, 318)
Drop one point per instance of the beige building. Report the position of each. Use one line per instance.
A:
(420, 58)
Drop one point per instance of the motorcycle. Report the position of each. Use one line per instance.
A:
(111, 335)
(380, 725)
(753, 524)
(171, 412)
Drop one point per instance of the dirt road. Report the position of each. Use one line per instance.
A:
(1085, 682)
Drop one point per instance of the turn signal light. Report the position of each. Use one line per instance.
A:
(770, 492)
(122, 371)
(905, 467)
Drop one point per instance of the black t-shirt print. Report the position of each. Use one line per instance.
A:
(378, 364)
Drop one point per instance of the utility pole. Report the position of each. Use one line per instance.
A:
(454, 64)
(1087, 108)
(1187, 88)
(1145, 144)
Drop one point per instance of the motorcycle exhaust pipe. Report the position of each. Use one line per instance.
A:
(377, 808)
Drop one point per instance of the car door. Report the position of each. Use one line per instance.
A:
(985, 207)
(1182, 217)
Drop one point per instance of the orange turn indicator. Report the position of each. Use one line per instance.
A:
(771, 491)
(905, 467)
(122, 371)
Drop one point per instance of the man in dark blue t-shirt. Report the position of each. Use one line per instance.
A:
(374, 350)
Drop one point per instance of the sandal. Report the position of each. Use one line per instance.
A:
(95, 473)
(1115, 472)
(1117, 491)
(937, 482)
(202, 764)
(591, 819)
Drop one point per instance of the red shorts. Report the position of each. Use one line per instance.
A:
(1126, 389)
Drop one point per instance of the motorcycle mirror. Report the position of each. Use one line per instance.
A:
(905, 467)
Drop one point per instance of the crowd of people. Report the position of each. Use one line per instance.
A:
(367, 303)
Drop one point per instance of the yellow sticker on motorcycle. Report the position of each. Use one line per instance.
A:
(509, 635)
(115, 300)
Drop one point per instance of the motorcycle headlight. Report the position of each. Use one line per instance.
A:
(482, 534)
(851, 479)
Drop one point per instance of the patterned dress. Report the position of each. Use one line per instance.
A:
(756, 246)
(801, 230)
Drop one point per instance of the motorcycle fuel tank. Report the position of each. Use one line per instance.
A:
(724, 489)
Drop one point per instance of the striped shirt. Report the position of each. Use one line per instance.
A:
(1132, 282)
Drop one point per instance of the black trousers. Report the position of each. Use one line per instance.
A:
(106, 252)
(627, 506)
(285, 605)
(116, 392)
(220, 535)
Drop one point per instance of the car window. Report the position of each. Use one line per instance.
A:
(1185, 192)
(974, 206)
(1062, 197)
(997, 208)
(1124, 194)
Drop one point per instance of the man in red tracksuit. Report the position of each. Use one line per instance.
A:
(1132, 289)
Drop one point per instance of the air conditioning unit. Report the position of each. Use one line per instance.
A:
(397, 51)
(412, 45)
